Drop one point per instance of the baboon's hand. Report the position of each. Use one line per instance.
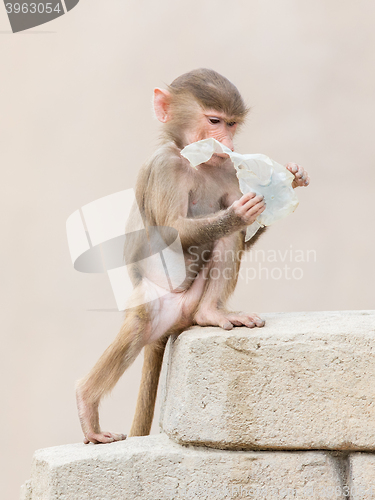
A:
(301, 177)
(248, 208)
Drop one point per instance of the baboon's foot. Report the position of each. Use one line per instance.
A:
(103, 437)
(225, 319)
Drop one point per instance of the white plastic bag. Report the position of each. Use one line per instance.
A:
(256, 173)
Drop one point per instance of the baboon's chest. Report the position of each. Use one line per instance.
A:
(204, 202)
(209, 193)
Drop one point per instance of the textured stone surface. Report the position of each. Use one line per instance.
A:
(304, 381)
(362, 476)
(155, 468)
(26, 493)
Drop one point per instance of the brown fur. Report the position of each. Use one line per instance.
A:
(144, 412)
(201, 88)
(206, 207)
(212, 91)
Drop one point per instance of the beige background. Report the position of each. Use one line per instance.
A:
(76, 124)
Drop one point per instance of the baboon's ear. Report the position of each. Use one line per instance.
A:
(162, 101)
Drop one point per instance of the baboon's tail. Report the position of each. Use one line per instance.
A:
(144, 412)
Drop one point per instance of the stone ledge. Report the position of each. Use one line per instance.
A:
(304, 381)
(156, 468)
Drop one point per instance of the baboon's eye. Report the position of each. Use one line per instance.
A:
(213, 120)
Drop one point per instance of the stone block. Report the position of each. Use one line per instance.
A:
(156, 468)
(304, 381)
(362, 476)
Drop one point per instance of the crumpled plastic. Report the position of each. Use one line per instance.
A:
(256, 173)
